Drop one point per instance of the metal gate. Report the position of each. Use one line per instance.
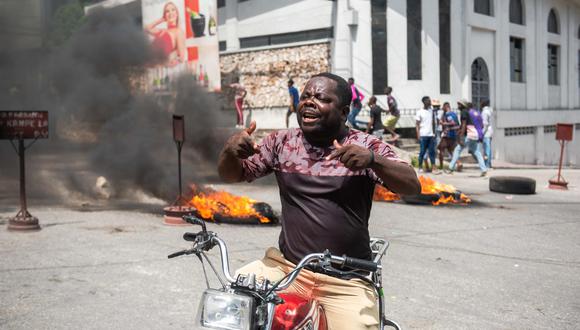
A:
(479, 82)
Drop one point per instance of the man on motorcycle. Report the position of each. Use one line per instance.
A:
(326, 174)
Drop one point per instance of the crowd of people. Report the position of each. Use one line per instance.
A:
(439, 129)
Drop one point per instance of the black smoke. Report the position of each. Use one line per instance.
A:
(101, 125)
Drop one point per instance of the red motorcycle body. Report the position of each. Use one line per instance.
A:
(299, 313)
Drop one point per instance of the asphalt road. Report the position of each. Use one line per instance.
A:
(504, 262)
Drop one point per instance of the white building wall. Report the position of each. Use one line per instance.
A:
(531, 103)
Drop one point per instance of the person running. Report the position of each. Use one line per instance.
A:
(375, 125)
(294, 99)
(470, 134)
(425, 128)
(450, 124)
(487, 115)
(394, 114)
(356, 104)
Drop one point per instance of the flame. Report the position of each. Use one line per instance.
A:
(384, 194)
(447, 193)
(209, 202)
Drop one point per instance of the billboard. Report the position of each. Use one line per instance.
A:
(185, 31)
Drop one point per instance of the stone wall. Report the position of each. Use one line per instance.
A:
(264, 73)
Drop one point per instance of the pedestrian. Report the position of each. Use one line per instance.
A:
(470, 136)
(240, 94)
(294, 99)
(449, 124)
(356, 104)
(394, 114)
(326, 174)
(487, 115)
(437, 113)
(375, 125)
(425, 128)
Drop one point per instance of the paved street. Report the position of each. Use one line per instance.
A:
(504, 262)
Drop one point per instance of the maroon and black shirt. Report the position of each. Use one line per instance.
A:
(324, 204)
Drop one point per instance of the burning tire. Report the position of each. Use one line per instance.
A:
(421, 199)
(512, 185)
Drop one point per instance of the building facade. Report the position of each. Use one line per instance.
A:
(522, 55)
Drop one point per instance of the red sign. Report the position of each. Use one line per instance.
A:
(23, 124)
(564, 131)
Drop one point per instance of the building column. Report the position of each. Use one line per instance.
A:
(342, 44)
(539, 146)
(232, 40)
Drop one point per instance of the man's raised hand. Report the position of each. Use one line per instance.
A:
(242, 145)
(352, 156)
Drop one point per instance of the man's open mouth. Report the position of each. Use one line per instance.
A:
(310, 116)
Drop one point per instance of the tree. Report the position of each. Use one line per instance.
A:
(67, 19)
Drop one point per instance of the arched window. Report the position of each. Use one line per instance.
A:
(553, 24)
(516, 12)
(483, 7)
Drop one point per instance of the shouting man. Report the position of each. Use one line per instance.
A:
(326, 173)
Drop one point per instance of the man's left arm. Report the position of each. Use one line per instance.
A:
(398, 176)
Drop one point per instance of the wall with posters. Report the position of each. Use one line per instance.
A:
(185, 32)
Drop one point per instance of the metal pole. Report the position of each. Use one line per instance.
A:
(23, 208)
(561, 158)
(179, 168)
(23, 220)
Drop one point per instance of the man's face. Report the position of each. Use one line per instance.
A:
(319, 110)
(289, 85)
(427, 103)
(350, 81)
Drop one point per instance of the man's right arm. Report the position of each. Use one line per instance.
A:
(238, 147)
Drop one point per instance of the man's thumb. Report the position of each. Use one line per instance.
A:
(336, 144)
(252, 128)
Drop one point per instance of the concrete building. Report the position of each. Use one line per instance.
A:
(522, 55)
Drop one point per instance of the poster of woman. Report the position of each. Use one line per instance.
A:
(185, 32)
(167, 34)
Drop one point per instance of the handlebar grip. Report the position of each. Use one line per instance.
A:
(360, 264)
(176, 254)
(190, 237)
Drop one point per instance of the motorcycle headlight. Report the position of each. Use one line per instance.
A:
(222, 310)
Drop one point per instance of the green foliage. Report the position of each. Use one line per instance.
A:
(67, 19)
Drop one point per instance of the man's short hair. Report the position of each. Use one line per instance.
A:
(388, 90)
(291, 82)
(342, 88)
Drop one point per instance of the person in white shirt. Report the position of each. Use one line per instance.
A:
(425, 128)
(487, 115)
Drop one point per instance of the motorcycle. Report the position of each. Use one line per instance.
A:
(248, 303)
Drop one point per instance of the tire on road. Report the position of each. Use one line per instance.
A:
(512, 185)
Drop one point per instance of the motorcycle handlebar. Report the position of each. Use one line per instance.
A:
(354, 263)
(360, 264)
(190, 237)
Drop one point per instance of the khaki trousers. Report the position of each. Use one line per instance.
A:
(349, 304)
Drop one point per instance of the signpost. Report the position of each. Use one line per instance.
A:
(21, 125)
(179, 208)
(564, 133)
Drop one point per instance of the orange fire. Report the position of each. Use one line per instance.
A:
(209, 202)
(384, 194)
(429, 186)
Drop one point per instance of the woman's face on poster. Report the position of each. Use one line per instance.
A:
(170, 14)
